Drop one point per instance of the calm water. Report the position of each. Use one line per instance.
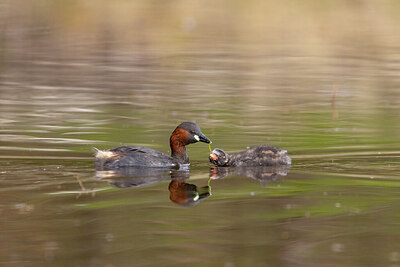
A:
(319, 79)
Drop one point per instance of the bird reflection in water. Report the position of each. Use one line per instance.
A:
(181, 192)
(185, 194)
(134, 176)
(263, 174)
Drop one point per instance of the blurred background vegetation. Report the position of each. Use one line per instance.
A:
(309, 72)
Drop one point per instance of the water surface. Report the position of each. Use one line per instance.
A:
(319, 79)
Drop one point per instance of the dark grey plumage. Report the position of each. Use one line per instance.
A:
(184, 134)
(124, 156)
(261, 155)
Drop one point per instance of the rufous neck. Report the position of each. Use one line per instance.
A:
(177, 142)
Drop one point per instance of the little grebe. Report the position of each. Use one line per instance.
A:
(261, 155)
(186, 133)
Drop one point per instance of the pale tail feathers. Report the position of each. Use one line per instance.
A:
(96, 151)
(101, 154)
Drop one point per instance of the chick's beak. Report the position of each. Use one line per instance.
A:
(213, 156)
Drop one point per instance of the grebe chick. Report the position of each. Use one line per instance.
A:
(186, 133)
(261, 155)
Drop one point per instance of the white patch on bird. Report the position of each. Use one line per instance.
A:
(196, 137)
(104, 154)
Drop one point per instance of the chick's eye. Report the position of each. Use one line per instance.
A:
(192, 132)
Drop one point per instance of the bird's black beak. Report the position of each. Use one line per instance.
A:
(203, 138)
